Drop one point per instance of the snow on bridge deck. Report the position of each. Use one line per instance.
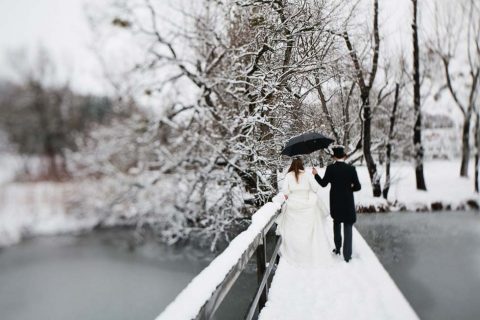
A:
(360, 289)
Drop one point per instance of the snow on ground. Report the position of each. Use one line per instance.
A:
(443, 183)
(8, 167)
(444, 186)
(361, 289)
(35, 209)
(38, 208)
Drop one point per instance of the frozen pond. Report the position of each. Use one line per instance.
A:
(102, 275)
(434, 258)
(96, 276)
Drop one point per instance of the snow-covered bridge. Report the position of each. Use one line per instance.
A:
(361, 289)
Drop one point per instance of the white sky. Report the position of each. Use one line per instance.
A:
(58, 25)
(61, 27)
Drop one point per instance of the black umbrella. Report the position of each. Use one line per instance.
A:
(306, 143)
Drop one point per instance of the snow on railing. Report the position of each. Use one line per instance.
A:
(205, 292)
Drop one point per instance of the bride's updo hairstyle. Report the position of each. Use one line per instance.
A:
(296, 166)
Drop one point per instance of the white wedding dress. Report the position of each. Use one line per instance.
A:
(301, 224)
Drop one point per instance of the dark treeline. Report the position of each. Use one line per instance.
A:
(44, 121)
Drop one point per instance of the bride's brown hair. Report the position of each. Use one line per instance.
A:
(296, 166)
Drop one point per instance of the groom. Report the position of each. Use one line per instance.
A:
(344, 181)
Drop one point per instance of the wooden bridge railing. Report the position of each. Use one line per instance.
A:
(263, 275)
(205, 293)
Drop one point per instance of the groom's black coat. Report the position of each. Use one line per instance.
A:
(344, 181)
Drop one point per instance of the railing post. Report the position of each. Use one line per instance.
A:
(277, 258)
(261, 267)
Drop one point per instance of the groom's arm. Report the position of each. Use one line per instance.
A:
(326, 178)
(356, 186)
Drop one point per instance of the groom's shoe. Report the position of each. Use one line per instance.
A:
(347, 259)
(336, 251)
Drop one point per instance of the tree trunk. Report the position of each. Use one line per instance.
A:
(417, 129)
(477, 146)
(367, 152)
(323, 103)
(346, 117)
(365, 88)
(466, 112)
(465, 145)
(52, 171)
(386, 188)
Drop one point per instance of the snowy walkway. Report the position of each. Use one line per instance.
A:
(361, 289)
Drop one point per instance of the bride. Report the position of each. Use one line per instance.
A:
(301, 225)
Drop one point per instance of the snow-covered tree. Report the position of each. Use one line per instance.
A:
(456, 41)
(417, 128)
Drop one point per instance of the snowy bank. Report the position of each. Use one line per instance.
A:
(28, 209)
(34, 208)
(446, 189)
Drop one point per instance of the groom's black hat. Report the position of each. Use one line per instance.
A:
(338, 151)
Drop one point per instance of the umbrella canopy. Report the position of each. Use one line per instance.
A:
(306, 143)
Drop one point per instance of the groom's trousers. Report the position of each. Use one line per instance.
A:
(347, 241)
